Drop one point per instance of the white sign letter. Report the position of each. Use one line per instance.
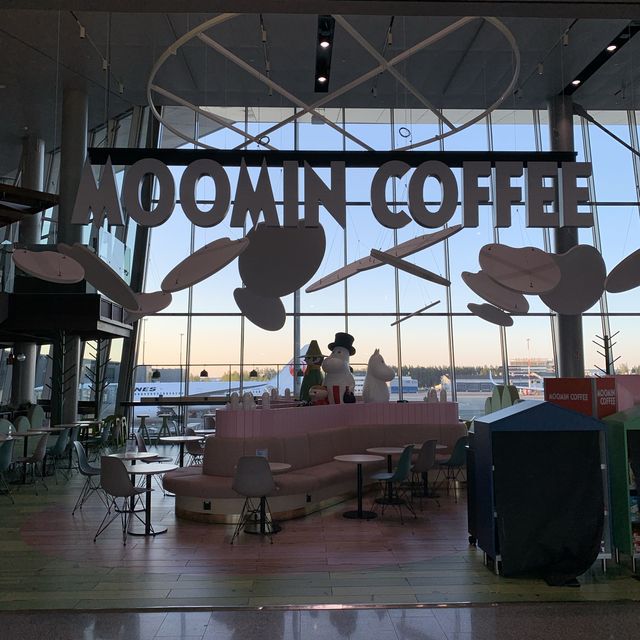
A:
(472, 194)
(506, 194)
(290, 180)
(538, 195)
(188, 184)
(131, 192)
(101, 200)
(449, 187)
(571, 194)
(334, 199)
(392, 169)
(255, 200)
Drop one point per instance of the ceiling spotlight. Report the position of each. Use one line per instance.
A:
(204, 373)
(611, 48)
(565, 39)
(253, 373)
(575, 82)
(83, 32)
(540, 68)
(324, 48)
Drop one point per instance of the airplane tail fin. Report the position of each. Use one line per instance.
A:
(285, 378)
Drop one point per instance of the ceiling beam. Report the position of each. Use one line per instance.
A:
(610, 9)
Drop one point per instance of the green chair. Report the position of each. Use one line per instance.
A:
(35, 414)
(6, 455)
(22, 424)
(398, 481)
(453, 466)
(5, 426)
(56, 452)
(425, 462)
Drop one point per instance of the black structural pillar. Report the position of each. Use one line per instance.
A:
(569, 328)
(73, 150)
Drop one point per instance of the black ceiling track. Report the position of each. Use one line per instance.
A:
(362, 159)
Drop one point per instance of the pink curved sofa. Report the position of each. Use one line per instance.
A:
(315, 480)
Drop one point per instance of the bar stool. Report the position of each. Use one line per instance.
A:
(164, 429)
(142, 428)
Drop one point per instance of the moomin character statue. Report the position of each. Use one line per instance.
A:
(336, 367)
(375, 387)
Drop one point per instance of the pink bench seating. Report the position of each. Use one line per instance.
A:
(315, 480)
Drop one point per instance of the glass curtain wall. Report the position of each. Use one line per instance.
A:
(203, 330)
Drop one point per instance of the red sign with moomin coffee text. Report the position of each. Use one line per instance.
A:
(591, 396)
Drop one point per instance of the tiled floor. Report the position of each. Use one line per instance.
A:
(498, 622)
(49, 561)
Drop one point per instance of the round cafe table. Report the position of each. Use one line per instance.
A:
(359, 459)
(147, 470)
(181, 441)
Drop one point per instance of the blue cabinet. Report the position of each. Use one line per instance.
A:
(539, 490)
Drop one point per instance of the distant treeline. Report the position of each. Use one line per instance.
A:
(431, 376)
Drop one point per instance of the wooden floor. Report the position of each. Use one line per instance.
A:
(49, 561)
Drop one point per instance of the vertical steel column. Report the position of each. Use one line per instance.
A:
(145, 135)
(297, 356)
(73, 149)
(396, 278)
(23, 379)
(546, 235)
(504, 351)
(570, 342)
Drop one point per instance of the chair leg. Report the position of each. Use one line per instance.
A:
(82, 497)
(106, 521)
(6, 488)
(241, 521)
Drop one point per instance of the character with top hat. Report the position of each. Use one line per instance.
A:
(336, 367)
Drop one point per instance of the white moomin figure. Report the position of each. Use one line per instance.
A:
(336, 367)
(375, 387)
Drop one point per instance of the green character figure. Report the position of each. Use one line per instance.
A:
(313, 374)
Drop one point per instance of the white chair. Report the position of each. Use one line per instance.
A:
(115, 482)
(35, 459)
(253, 480)
(89, 472)
(195, 450)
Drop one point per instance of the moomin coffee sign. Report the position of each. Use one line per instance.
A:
(554, 193)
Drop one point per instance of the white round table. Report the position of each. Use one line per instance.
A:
(359, 459)
(148, 470)
(181, 441)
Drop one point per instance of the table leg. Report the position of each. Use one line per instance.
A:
(359, 514)
(147, 508)
(182, 454)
